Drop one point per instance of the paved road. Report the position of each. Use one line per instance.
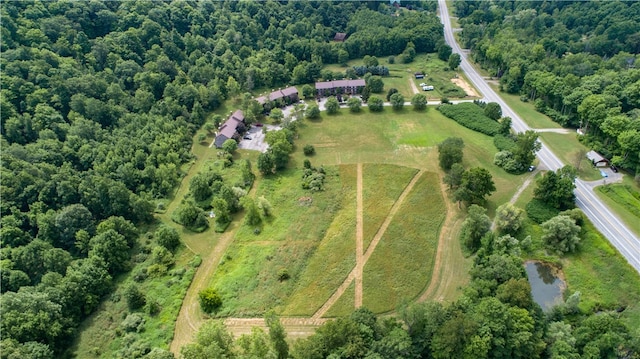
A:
(607, 223)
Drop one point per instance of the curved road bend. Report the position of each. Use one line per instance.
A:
(605, 221)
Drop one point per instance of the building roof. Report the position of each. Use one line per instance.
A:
(290, 91)
(596, 157)
(261, 100)
(340, 36)
(238, 115)
(275, 95)
(227, 130)
(340, 83)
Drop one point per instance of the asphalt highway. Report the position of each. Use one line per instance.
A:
(605, 221)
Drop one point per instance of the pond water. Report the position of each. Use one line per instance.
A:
(546, 287)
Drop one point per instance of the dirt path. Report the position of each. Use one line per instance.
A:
(295, 327)
(465, 86)
(413, 86)
(440, 278)
(376, 239)
(359, 239)
(190, 317)
(515, 196)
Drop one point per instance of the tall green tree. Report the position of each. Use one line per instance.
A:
(450, 152)
(476, 184)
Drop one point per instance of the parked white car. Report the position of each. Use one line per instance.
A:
(427, 88)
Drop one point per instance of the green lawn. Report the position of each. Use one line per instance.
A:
(405, 138)
(567, 148)
(527, 111)
(624, 199)
(400, 268)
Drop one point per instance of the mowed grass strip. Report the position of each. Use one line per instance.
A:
(333, 258)
(527, 111)
(405, 138)
(250, 276)
(604, 278)
(382, 185)
(624, 199)
(345, 304)
(402, 263)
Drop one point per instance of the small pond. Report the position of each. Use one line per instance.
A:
(546, 287)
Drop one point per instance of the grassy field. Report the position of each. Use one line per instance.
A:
(382, 184)
(99, 335)
(401, 75)
(400, 268)
(624, 199)
(406, 138)
(249, 277)
(526, 111)
(604, 278)
(345, 304)
(567, 148)
(334, 256)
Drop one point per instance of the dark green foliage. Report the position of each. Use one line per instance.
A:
(450, 152)
(134, 297)
(376, 104)
(555, 189)
(539, 211)
(191, 216)
(251, 216)
(312, 112)
(474, 227)
(309, 150)
(313, 178)
(454, 61)
(210, 300)
(504, 143)
(477, 183)
(354, 104)
(419, 102)
(167, 237)
(375, 84)
(277, 335)
(230, 146)
(471, 116)
(397, 101)
(332, 105)
(391, 92)
(454, 177)
(493, 111)
(561, 234)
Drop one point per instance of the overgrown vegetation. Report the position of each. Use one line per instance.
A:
(471, 116)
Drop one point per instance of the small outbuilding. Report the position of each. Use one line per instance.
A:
(340, 36)
(419, 75)
(597, 159)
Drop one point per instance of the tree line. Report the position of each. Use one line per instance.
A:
(576, 61)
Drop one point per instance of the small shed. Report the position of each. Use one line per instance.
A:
(419, 75)
(597, 159)
(340, 36)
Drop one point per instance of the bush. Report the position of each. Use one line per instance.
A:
(134, 297)
(283, 275)
(471, 116)
(539, 212)
(210, 300)
(375, 104)
(504, 143)
(309, 150)
(134, 322)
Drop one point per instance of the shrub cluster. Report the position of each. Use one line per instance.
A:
(504, 143)
(471, 116)
(312, 177)
(540, 212)
(374, 70)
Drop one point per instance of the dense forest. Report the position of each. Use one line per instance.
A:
(576, 60)
(100, 102)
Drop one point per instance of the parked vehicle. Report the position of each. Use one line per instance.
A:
(246, 137)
